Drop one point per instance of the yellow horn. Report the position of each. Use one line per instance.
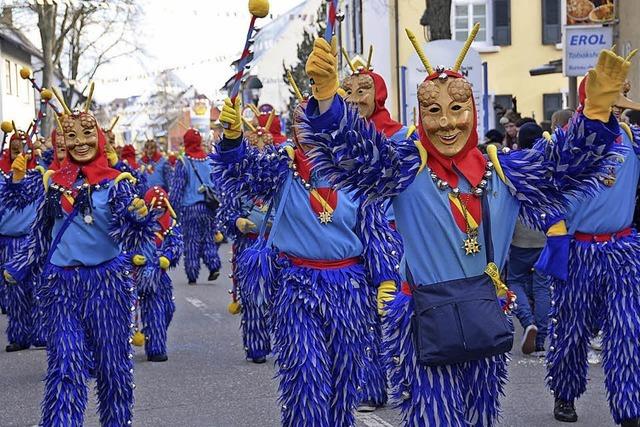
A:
(466, 47)
(87, 104)
(631, 55)
(58, 122)
(254, 109)
(419, 51)
(296, 89)
(270, 120)
(369, 57)
(114, 123)
(15, 128)
(248, 124)
(60, 99)
(346, 58)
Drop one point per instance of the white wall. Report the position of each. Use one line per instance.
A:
(17, 101)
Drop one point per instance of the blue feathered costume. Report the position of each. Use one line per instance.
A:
(192, 173)
(315, 274)
(87, 212)
(437, 201)
(155, 291)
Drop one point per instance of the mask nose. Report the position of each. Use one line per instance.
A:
(443, 122)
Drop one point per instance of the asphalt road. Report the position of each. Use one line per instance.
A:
(207, 382)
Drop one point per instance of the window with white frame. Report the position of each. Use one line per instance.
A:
(464, 15)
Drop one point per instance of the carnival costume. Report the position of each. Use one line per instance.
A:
(596, 284)
(192, 177)
(456, 213)
(87, 212)
(21, 181)
(155, 166)
(155, 291)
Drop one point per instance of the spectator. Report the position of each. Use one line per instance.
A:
(511, 131)
(522, 278)
(560, 118)
(633, 117)
(494, 137)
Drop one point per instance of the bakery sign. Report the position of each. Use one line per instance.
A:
(590, 12)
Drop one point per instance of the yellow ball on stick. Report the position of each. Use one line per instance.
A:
(259, 8)
(25, 72)
(6, 127)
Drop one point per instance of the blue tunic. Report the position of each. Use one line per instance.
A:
(612, 209)
(192, 193)
(77, 246)
(154, 171)
(17, 222)
(400, 135)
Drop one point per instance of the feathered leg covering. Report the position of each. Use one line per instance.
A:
(374, 382)
(89, 313)
(156, 309)
(198, 225)
(459, 395)
(320, 328)
(603, 289)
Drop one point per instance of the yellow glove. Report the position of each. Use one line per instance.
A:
(322, 68)
(244, 225)
(604, 85)
(139, 260)
(219, 237)
(231, 118)
(164, 262)
(386, 293)
(19, 168)
(139, 207)
(112, 157)
(8, 278)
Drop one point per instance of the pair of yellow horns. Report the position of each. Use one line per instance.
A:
(353, 65)
(66, 108)
(461, 55)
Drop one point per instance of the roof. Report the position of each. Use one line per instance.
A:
(14, 36)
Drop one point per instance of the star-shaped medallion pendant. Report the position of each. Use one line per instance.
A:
(325, 217)
(471, 245)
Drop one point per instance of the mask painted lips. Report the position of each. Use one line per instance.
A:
(449, 139)
(81, 149)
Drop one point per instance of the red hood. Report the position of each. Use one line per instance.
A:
(381, 117)
(55, 164)
(275, 130)
(469, 161)
(160, 200)
(155, 158)
(193, 144)
(128, 154)
(95, 171)
(5, 160)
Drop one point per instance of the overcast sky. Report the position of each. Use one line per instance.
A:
(209, 33)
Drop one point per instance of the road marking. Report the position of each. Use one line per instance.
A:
(203, 308)
(371, 420)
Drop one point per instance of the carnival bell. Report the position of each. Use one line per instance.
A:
(138, 339)
(234, 307)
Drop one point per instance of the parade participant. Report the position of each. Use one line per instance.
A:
(597, 286)
(155, 166)
(155, 291)
(189, 188)
(128, 156)
(59, 148)
(323, 250)
(21, 178)
(456, 213)
(87, 212)
(271, 123)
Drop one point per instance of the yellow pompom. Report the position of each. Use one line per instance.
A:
(234, 307)
(25, 72)
(259, 8)
(46, 94)
(6, 127)
(138, 339)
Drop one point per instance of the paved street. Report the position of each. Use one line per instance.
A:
(207, 382)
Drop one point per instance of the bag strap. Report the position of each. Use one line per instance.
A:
(196, 171)
(486, 226)
(65, 225)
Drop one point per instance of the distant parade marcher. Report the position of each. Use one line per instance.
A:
(155, 290)
(21, 182)
(156, 167)
(87, 212)
(456, 212)
(191, 182)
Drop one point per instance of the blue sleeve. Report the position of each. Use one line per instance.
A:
(130, 230)
(19, 195)
(167, 174)
(354, 156)
(178, 184)
(173, 245)
(635, 131)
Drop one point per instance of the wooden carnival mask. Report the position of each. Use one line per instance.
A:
(360, 91)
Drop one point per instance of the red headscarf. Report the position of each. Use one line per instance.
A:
(156, 156)
(193, 144)
(5, 160)
(161, 202)
(55, 163)
(172, 159)
(469, 161)
(381, 117)
(94, 171)
(275, 130)
(128, 154)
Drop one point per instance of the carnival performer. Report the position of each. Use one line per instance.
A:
(313, 272)
(86, 213)
(156, 167)
(21, 179)
(596, 285)
(271, 123)
(456, 213)
(188, 195)
(59, 148)
(155, 290)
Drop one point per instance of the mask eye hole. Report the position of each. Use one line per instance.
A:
(360, 91)
(87, 132)
(349, 92)
(71, 135)
(456, 107)
(434, 109)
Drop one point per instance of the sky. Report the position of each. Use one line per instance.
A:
(201, 36)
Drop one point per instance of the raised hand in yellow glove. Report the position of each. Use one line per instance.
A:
(244, 225)
(138, 206)
(164, 262)
(8, 278)
(112, 156)
(231, 118)
(604, 84)
(139, 260)
(322, 69)
(386, 293)
(19, 168)
(219, 237)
